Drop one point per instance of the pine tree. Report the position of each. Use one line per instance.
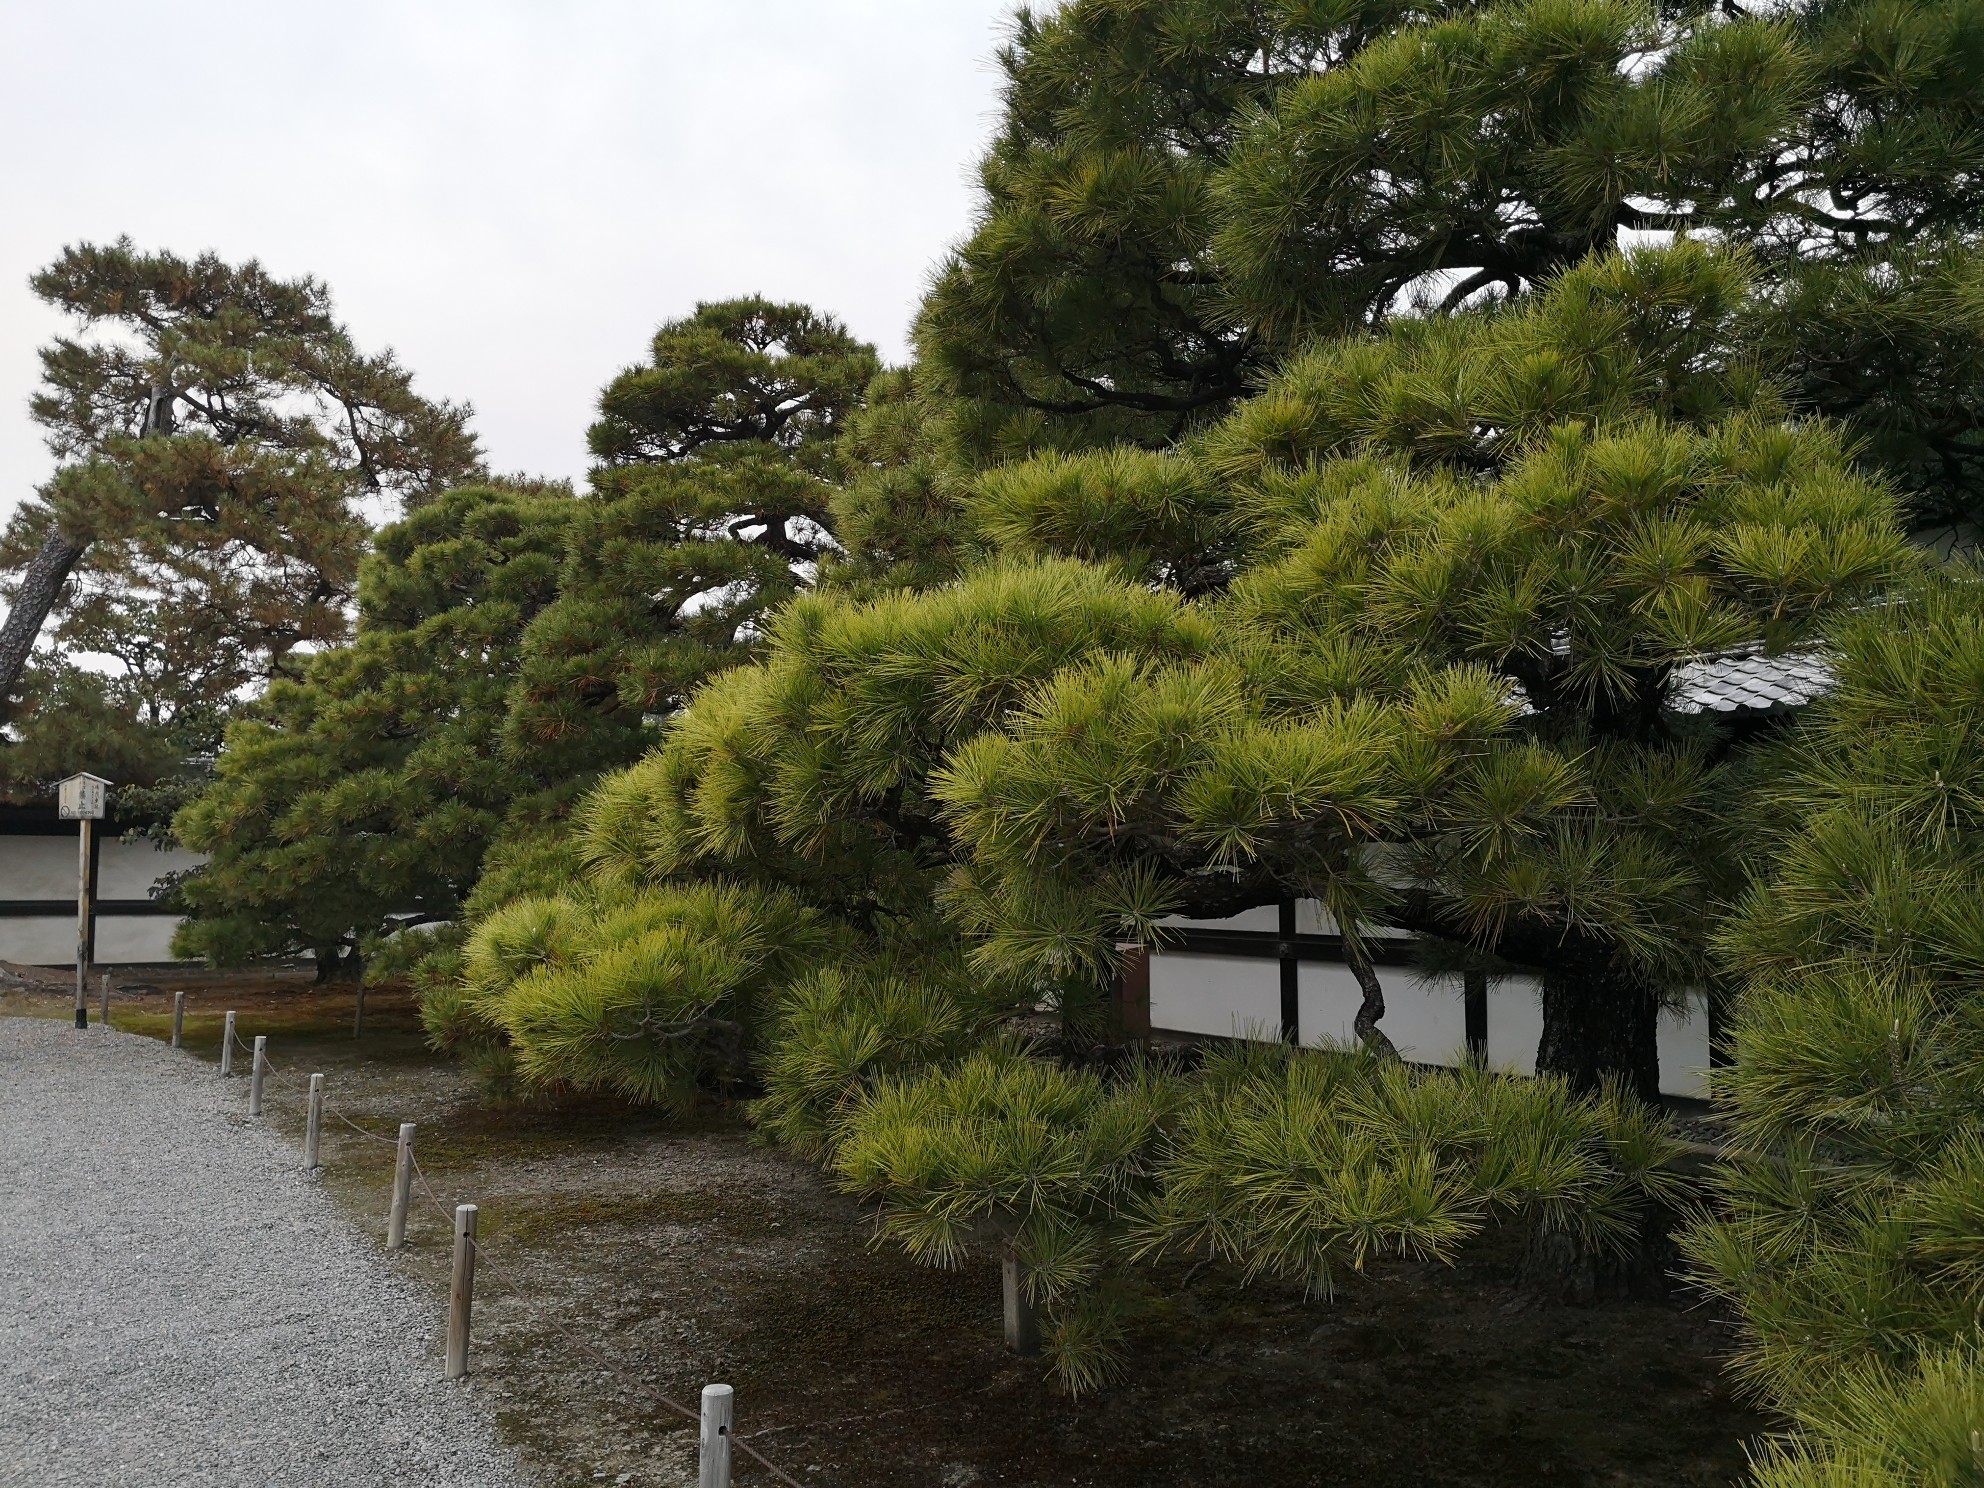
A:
(218, 434)
(709, 507)
(1847, 1231)
(1183, 191)
(1399, 634)
(361, 799)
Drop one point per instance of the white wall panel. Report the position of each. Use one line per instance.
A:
(1262, 917)
(1227, 996)
(121, 939)
(127, 870)
(40, 941)
(1515, 1023)
(1327, 997)
(1683, 1045)
(37, 867)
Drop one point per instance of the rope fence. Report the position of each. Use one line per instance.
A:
(716, 1436)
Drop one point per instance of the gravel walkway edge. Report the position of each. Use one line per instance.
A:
(181, 1304)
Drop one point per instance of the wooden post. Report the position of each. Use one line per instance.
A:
(713, 1439)
(227, 1047)
(178, 1015)
(105, 1019)
(313, 1129)
(1022, 1313)
(402, 1190)
(1132, 991)
(256, 1069)
(461, 1290)
(83, 923)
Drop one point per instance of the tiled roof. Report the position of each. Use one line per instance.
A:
(1748, 682)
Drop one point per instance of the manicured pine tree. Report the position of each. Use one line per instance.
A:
(218, 433)
(709, 507)
(362, 798)
(1464, 564)
(1184, 190)
(1846, 1232)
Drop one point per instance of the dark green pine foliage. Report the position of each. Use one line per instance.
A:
(362, 798)
(709, 506)
(1185, 190)
(219, 438)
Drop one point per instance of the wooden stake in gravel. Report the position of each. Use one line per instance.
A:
(313, 1130)
(104, 1016)
(461, 1290)
(713, 1440)
(402, 1190)
(178, 1015)
(255, 1073)
(227, 1047)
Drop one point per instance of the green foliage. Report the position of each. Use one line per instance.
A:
(1182, 190)
(897, 512)
(362, 798)
(1299, 1166)
(1470, 557)
(708, 510)
(1846, 1236)
(1290, 1165)
(645, 997)
(219, 436)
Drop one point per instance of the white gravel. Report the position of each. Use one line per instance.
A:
(180, 1305)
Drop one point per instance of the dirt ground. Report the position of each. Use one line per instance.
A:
(686, 1253)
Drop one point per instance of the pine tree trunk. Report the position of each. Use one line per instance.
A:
(334, 965)
(1597, 1022)
(41, 583)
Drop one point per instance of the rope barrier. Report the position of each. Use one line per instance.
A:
(503, 1275)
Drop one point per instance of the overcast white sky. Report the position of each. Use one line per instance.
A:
(510, 194)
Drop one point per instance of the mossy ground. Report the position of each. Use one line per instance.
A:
(685, 1252)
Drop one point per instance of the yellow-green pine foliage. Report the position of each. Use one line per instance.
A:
(1848, 1233)
(648, 996)
(363, 797)
(1465, 560)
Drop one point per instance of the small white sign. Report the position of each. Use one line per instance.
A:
(83, 797)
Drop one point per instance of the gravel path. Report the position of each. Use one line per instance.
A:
(179, 1305)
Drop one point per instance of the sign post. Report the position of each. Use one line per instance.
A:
(82, 798)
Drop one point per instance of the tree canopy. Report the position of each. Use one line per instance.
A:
(708, 507)
(1182, 192)
(220, 436)
(1846, 1233)
(362, 797)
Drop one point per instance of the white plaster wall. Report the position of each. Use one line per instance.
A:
(1425, 1017)
(127, 870)
(1515, 1023)
(121, 939)
(1312, 919)
(39, 941)
(1683, 1045)
(1262, 917)
(1228, 996)
(37, 868)
(45, 868)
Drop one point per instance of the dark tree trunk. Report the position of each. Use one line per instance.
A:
(41, 583)
(1599, 1021)
(1372, 1008)
(334, 965)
